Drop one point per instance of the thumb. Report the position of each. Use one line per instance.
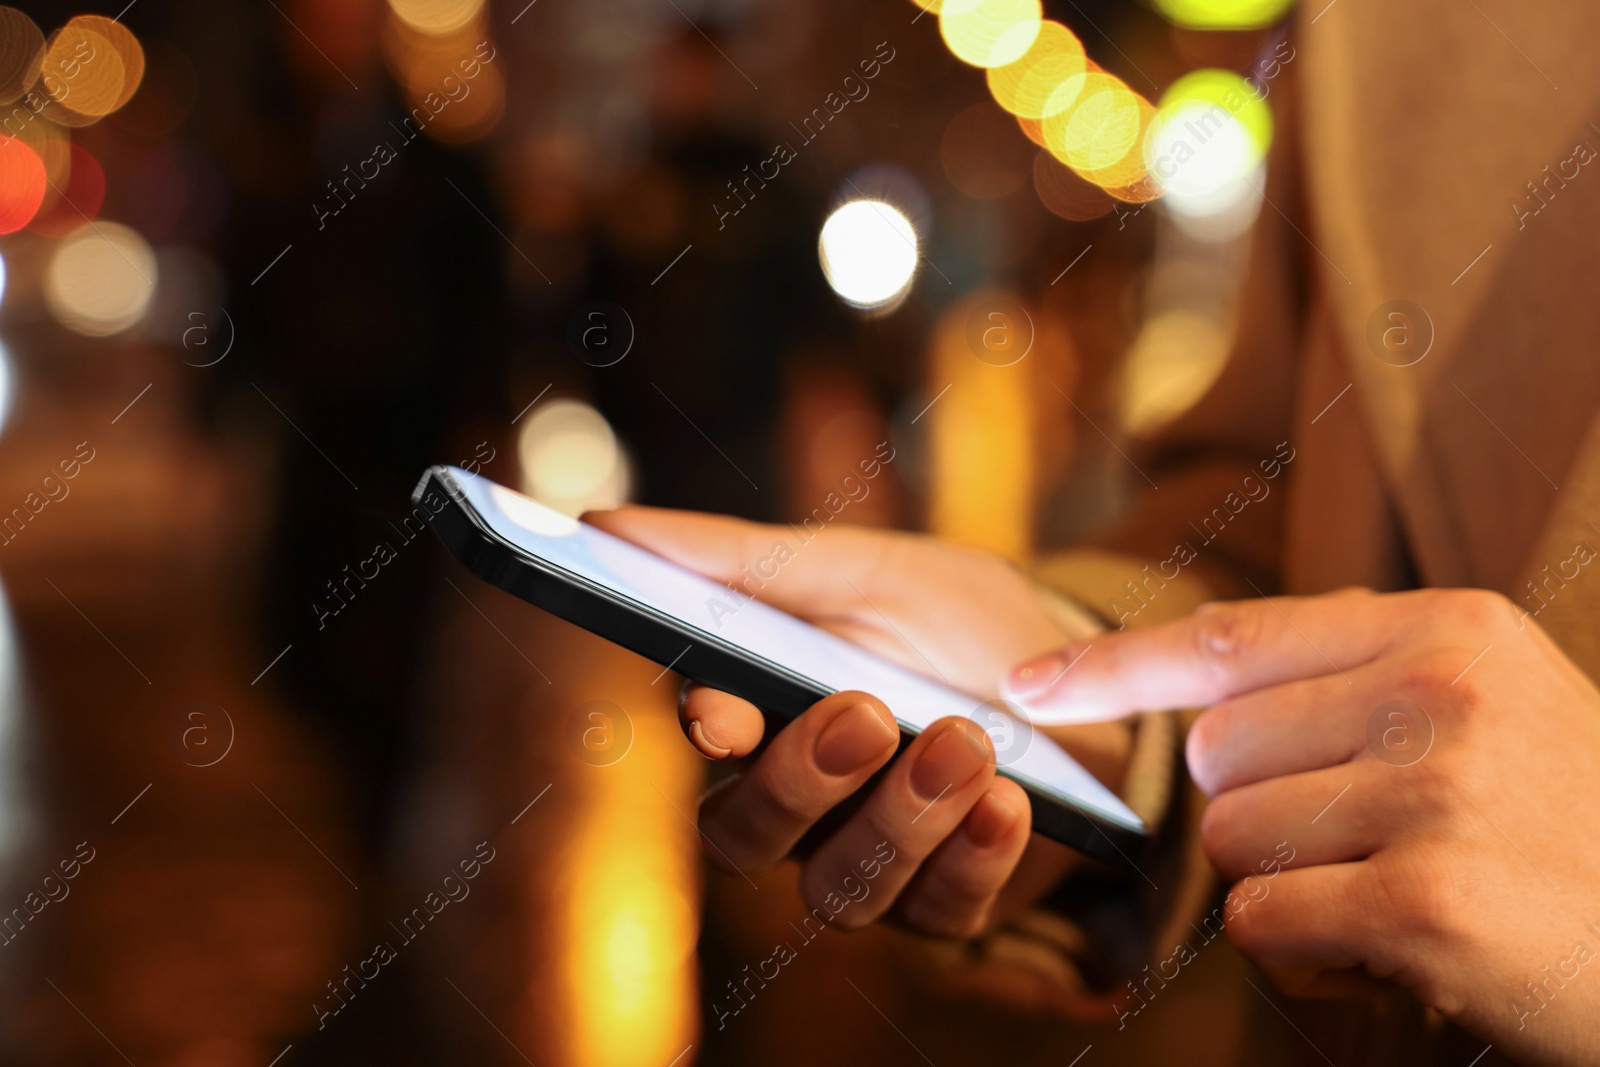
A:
(791, 568)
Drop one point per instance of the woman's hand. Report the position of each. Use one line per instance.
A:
(1431, 763)
(956, 832)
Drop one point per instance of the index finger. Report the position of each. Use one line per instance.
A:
(1223, 650)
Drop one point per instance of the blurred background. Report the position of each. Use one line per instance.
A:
(263, 262)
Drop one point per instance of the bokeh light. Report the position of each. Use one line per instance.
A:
(1235, 95)
(128, 51)
(100, 280)
(868, 250)
(1061, 99)
(1206, 151)
(571, 459)
(436, 16)
(1100, 129)
(452, 94)
(1175, 359)
(83, 75)
(1046, 79)
(1224, 14)
(990, 33)
(21, 53)
(22, 184)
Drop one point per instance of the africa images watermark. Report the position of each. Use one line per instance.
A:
(1568, 968)
(852, 890)
(343, 587)
(853, 490)
(454, 90)
(54, 489)
(1541, 195)
(855, 90)
(51, 890)
(1550, 584)
(33, 103)
(453, 889)
(1252, 890)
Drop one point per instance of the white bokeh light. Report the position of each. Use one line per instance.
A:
(1209, 168)
(5, 388)
(571, 460)
(100, 280)
(868, 250)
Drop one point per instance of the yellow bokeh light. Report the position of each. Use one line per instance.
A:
(1127, 173)
(1236, 96)
(631, 909)
(981, 435)
(100, 279)
(1224, 14)
(1100, 130)
(1047, 78)
(990, 33)
(436, 16)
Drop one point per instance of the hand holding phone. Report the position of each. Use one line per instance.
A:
(871, 590)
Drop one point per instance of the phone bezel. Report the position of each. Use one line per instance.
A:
(699, 655)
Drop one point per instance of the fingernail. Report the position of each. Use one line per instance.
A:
(989, 820)
(1037, 675)
(703, 742)
(949, 761)
(856, 737)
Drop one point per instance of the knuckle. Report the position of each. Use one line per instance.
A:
(1429, 674)
(1422, 896)
(1477, 608)
(1228, 632)
(782, 800)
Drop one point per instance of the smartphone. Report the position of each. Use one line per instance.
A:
(779, 663)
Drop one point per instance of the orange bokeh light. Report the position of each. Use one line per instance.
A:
(22, 184)
(82, 75)
(128, 50)
(1046, 80)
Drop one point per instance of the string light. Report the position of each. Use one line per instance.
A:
(1091, 122)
